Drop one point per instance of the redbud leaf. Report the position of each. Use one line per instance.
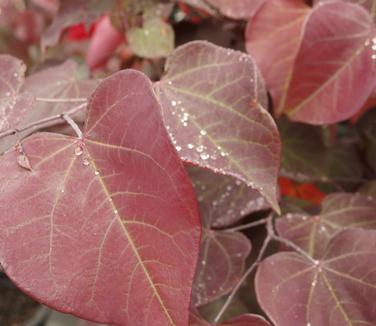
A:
(106, 227)
(274, 35)
(221, 264)
(212, 100)
(242, 320)
(339, 211)
(336, 290)
(14, 103)
(223, 199)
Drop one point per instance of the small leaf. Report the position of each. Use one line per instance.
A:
(155, 39)
(221, 264)
(109, 231)
(339, 211)
(223, 199)
(333, 291)
(212, 100)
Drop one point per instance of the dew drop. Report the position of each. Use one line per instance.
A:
(373, 56)
(204, 156)
(15, 74)
(178, 148)
(96, 173)
(78, 150)
(173, 103)
(85, 162)
(199, 148)
(62, 190)
(190, 146)
(203, 132)
(116, 211)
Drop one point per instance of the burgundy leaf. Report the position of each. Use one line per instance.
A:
(221, 264)
(334, 291)
(238, 9)
(243, 320)
(223, 200)
(339, 211)
(335, 70)
(106, 227)
(274, 35)
(212, 102)
(368, 4)
(14, 103)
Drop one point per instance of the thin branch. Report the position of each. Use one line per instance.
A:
(74, 125)
(244, 277)
(61, 100)
(248, 225)
(46, 122)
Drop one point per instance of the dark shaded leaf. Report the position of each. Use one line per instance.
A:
(243, 320)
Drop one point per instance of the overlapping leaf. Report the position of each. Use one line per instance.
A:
(339, 211)
(367, 131)
(243, 320)
(370, 5)
(274, 35)
(212, 101)
(221, 264)
(334, 291)
(305, 155)
(105, 227)
(238, 9)
(223, 199)
(14, 103)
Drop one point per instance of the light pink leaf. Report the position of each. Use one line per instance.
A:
(212, 100)
(339, 211)
(274, 35)
(14, 103)
(106, 227)
(334, 291)
(223, 199)
(335, 69)
(221, 264)
(367, 4)
(238, 9)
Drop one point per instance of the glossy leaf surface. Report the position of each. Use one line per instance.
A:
(223, 199)
(339, 211)
(274, 35)
(334, 291)
(109, 224)
(212, 101)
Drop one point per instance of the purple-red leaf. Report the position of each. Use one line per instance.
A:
(106, 227)
(238, 9)
(334, 291)
(274, 35)
(221, 264)
(223, 199)
(14, 103)
(339, 211)
(335, 69)
(212, 100)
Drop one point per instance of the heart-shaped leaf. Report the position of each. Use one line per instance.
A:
(212, 100)
(221, 264)
(274, 35)
(339, 211)
(14, 103)
(105, 227)
(336, 290)
(223, 200)
(335, 69)
(237, 9)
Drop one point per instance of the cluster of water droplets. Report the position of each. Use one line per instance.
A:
(372, 44)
